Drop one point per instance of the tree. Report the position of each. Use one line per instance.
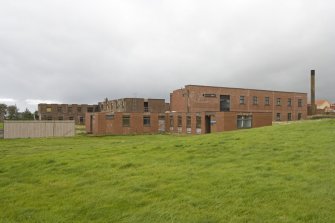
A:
(27, 115)
(3, 111)
(12, 112)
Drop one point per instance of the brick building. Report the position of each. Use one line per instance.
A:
(65, 112)
(134, 105)
(284, 106)
(119, 123)
(197, 109)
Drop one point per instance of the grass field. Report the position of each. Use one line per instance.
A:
(283, 173)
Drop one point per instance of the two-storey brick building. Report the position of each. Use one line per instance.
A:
(65, 112)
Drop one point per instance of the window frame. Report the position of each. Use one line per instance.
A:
(242, 100)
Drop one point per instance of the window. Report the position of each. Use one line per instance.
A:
(188, 121)
(89, 109)
(70, 110)
(278, 117)
(241, 100)
(49, 118)
(198, 122)
(267, 101)
(126, 121)
(289, 117)
(79, 109)
(146, 107)
(244, 121)
(299, 102)
(146, 120)
(60, 118)
(255, 100)
(179, 121)
(81, 120)
(59, 109)
(278, 101)
(71, 118)
(171, 121)
(299, 116)
(49, 110)
(109, 117)
(161, 117)
(289, 102)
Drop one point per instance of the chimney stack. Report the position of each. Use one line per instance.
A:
(313, 106)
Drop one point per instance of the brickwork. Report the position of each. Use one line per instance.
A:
(195, 98)
(65, 112)
(107, 123)
(134, 105)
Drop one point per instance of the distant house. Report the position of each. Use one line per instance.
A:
(323, 106)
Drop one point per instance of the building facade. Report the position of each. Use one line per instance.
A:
(284, 106)
(74, 112)
(120, 123)
(134, 105)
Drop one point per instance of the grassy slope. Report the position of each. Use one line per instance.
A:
(283, 173)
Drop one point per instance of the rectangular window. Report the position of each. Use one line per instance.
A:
(79, 109)
(299, 116)
(49, 109)
(242, 100)
(244, 121)
(179, 121)
(69, 109)
(255, 100)
(49, 118)
(171, 121)
(70, 118)
(289, 102)
(267, 101)
(278, 117)
(299, 102)
(146, 106)
(161, 117)
(125, 120)
(89, 109)
(289, 117)
(188, 121)
(81, 120)
(60, 118)
(146, 120)
(109, 117)
(59, 109)
(278, 101)
(198, 122)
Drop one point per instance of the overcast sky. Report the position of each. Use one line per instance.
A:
(83, 51)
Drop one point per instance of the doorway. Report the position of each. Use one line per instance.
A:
(207, 124)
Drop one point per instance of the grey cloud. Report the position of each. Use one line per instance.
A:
(84, 51)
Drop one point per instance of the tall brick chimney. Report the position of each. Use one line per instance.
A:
(313, 106)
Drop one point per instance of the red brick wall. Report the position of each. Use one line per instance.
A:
(192, 98)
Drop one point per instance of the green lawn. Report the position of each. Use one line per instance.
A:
(283, 173)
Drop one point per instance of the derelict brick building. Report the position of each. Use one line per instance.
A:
(74, 112)
(197, 109)
(134, 105)
(284, 106)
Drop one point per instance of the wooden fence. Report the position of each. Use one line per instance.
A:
(38, 129)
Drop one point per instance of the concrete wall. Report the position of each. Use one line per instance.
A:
(38, 129)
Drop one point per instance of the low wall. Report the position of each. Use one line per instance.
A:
(38, 129)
